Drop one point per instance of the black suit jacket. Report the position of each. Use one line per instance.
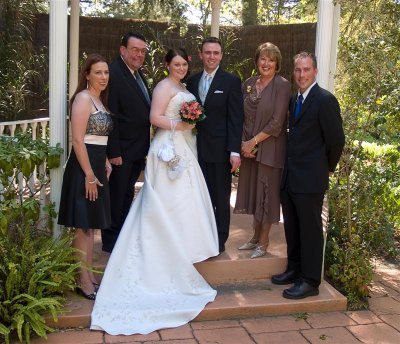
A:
(315, 142)
(130, 137)
(221, 132)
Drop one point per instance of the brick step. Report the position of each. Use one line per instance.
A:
(233, 301)
(232, 265)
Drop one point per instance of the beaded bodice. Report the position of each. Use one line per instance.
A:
(100, 123)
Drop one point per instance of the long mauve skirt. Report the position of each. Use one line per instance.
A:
(258, 191)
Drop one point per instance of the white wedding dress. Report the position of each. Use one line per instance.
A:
(150, 282)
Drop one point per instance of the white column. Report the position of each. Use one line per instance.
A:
(58, 91)
(326, 42)
(216, 10)
(334, 47)
(326, 51)
(73, 57)
(73, 47)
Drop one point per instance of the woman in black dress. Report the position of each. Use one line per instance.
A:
(85, 200)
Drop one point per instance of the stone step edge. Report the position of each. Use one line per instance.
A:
(219, 272)
(328, 300)
(231, 271)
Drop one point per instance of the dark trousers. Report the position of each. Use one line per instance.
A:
(219, 178)
(304, 235)
(122, 190)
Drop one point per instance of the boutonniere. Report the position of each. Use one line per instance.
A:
(249, 89)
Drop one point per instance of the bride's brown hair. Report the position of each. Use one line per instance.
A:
(177, 52)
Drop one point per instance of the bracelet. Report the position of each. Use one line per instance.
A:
(255, 140)
(91, 182)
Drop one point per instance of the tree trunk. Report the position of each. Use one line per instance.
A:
(249, 12)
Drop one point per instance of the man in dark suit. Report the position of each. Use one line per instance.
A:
(128, 143)
(315, 143)
(219, 135)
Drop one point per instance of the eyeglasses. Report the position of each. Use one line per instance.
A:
(138, 51)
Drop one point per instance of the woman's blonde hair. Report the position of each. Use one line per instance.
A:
(270, 50)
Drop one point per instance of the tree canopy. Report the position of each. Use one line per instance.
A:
(246, 12)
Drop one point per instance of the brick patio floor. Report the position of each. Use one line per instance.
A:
(378, 325)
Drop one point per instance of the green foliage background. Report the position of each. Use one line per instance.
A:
(20, 65)
(364, 198)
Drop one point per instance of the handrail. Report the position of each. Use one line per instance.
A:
(12, 125)
(25, 121)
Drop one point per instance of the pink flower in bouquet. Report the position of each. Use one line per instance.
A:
(191, 112)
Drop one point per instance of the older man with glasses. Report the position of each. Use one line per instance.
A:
(129, 100)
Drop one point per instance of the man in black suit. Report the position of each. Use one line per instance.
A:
(315, 143)
(219, 136)
(128, 143)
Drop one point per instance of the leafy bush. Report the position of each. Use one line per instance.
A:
(364, 198)
(34, 271)
(154, 68)
(34, 268)
(18, 157)
(364, 205)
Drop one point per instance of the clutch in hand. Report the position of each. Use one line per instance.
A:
(166, 152)
(175, 164)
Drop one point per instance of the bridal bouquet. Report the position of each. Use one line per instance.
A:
(191, 112)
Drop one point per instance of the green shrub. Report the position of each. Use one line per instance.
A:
(35, 269)
(18, 157)
(364, 208)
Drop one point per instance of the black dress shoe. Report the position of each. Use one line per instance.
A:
(92, 296)
(106, 249)
(300, 290)
(287, 277)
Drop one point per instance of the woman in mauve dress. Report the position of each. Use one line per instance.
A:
(266, 104)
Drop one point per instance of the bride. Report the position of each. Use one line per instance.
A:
(150, 282)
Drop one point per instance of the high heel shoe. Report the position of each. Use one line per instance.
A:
(248, 246)
(92, 296)
(96, 286)
(260, 251)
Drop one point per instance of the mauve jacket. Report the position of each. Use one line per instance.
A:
(271, 118)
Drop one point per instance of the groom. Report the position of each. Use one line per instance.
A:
(219, 136)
